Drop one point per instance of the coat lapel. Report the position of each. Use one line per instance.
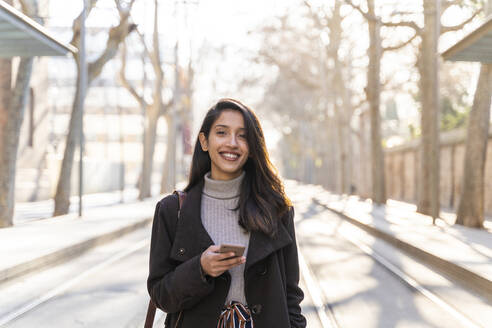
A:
(191, 236)
(260, 245)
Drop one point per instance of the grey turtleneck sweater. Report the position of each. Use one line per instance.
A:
(221, 222)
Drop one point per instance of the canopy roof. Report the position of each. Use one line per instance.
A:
(475, 47)
(22, 36)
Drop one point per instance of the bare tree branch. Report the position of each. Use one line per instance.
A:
(141, 36)
(291, 72)
(362, 101)
(401, 45)
(314, 15)
(27, 8)
(402, 13)
(445, 29)
(409, 24)
(156, 54)
(446, 4)
(76, 24)
(124, 81)
(156, 63)
(118, 5)
(366, 15)
(116, 35)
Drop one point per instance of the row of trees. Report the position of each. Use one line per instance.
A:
(13, 103)
(317, 60)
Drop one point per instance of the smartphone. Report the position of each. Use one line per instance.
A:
(236, 249)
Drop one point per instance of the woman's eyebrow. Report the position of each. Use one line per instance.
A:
(226, 126)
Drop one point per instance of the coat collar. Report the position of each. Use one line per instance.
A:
(192, 238)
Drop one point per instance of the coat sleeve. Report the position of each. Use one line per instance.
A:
(172, 286)
(294, 293)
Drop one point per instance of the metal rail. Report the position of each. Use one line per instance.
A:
(65, 286)
(411, 282)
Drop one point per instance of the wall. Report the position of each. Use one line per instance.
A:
(402, 163)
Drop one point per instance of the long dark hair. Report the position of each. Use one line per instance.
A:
(262, 197)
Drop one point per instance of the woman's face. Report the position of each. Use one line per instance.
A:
(226, 145)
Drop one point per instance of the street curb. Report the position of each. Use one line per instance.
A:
(469, 279)
(69, 252)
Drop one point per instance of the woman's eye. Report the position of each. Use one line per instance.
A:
(221, 132)
(242, 136)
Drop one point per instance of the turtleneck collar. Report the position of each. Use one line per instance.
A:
(222, 189)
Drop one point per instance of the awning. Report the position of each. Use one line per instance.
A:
(22, 36)
(475, 47)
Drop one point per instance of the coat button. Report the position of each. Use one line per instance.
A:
(262, 271)
(181, 251)
(256, 309)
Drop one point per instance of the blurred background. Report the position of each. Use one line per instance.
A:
(353, 96)
(375, 112)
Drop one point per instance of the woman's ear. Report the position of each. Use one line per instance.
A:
(203, 141)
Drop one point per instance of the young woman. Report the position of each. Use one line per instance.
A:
(234, 196)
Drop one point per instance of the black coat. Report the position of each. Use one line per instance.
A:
(175, 284)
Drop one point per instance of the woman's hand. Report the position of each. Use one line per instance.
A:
(214, 263)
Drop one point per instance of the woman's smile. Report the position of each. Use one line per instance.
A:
(229, 156)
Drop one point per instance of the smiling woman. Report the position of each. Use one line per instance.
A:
(235, 197)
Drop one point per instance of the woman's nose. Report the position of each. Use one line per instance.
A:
(232, 141)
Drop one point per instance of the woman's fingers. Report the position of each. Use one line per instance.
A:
(229, 263)
(220, 267)
(214, 264)
(213, 248)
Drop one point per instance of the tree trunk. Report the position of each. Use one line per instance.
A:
(6, 206)
(12, 103)
(342, 155)
(148, 151)
(63, 188)
(340, 101)
(168, 181)
(429, 78)
(373, 95)
(11, 116)
(471, 206)
(116, 35)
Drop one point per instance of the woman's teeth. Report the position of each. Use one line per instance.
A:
(230, 156)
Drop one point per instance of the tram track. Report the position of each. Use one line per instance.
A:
(53, 292)
(413, 284)
(328, 310)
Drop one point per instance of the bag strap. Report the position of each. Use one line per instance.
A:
(149, 318)
(181, 198)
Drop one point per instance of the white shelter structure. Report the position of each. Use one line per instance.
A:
(22, 36)
(474, 47)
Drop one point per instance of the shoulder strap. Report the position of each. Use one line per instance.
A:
(181, 197)
(149, 319)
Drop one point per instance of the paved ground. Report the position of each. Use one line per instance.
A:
(32, 244)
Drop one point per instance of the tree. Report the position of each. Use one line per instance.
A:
(428, 202)
(471, 205)
(152, 111)
(12, 104)
(428, 67)
(373, 95)
(334, 86)
(116, 35)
